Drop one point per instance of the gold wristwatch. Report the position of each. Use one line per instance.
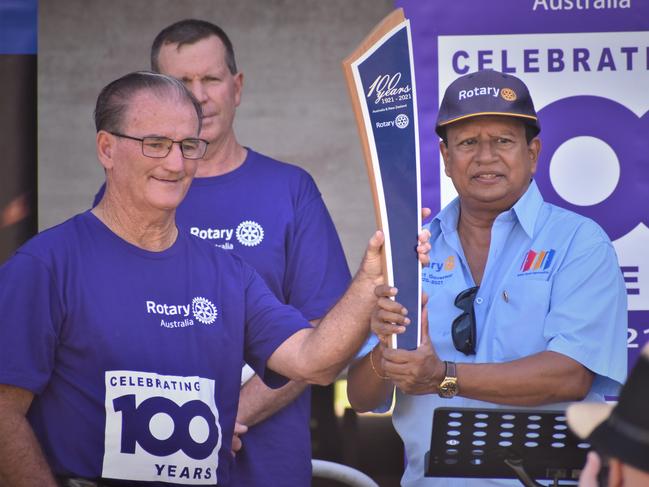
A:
(448, 387)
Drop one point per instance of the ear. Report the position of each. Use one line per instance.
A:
(533, 150)
(444, 150)
(238, 88)
(105, 149)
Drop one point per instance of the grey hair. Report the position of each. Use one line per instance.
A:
(114, 99)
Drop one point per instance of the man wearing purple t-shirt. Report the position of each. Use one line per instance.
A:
(122, 338)
(272, 215)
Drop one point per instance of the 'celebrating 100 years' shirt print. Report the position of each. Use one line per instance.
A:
(166, 422)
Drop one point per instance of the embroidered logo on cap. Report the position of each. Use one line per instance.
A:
(478, 91)
(508, 94)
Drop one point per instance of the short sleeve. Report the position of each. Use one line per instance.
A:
(31, 316)
(316, 270)
(588, 315)
(268, 324)
(367, 347)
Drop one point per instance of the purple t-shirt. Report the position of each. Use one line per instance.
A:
(135, 357)
(272, 215)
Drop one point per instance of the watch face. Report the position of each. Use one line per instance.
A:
(448, 388)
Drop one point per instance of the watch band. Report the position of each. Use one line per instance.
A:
(451, 370)
(448, 388)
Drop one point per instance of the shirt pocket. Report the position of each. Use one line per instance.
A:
(517, 319)
(441, 311)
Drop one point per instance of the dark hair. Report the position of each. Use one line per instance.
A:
(114, 99)
(530, 133)
(190, 31)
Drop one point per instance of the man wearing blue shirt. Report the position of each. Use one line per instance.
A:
(526, 301)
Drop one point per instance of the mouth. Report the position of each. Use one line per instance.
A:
(488, 177)
(167, 180)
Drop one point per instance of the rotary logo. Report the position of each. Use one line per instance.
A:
(402, 121)
(249, 233)
(204, 311)
(449, 263)
(508, 94)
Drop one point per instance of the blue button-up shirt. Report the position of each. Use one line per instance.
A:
(551, 282)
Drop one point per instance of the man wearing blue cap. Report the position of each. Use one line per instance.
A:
(526, 301)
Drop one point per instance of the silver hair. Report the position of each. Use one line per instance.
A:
(113, 101)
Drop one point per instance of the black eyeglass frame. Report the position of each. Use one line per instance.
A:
(160, 138)
(463, 328)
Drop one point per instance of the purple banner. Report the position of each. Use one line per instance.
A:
(586, 63)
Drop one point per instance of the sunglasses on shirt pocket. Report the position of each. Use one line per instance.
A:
(463, 328)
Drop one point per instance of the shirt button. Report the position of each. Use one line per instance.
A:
(478, 300)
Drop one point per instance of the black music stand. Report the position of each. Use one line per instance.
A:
(504, 443)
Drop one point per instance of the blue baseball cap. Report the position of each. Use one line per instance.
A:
(486, 92)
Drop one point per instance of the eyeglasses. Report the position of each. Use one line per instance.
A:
(463, 329)
(159, 147)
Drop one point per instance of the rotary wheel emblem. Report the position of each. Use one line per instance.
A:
(204, 311)
(508, 94)
(402, 121)
(249, 233)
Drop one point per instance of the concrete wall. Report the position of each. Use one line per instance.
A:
(295, 105)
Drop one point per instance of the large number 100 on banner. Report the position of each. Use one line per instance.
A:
(380, 78)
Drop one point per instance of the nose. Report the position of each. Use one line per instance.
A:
(485, 153)
(198, 90)
(174, 161)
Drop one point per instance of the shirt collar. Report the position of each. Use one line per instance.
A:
(448, 217)
(526, 210)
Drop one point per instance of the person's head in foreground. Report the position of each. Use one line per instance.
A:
(147, 141)
(619, 432)
(488, 128)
